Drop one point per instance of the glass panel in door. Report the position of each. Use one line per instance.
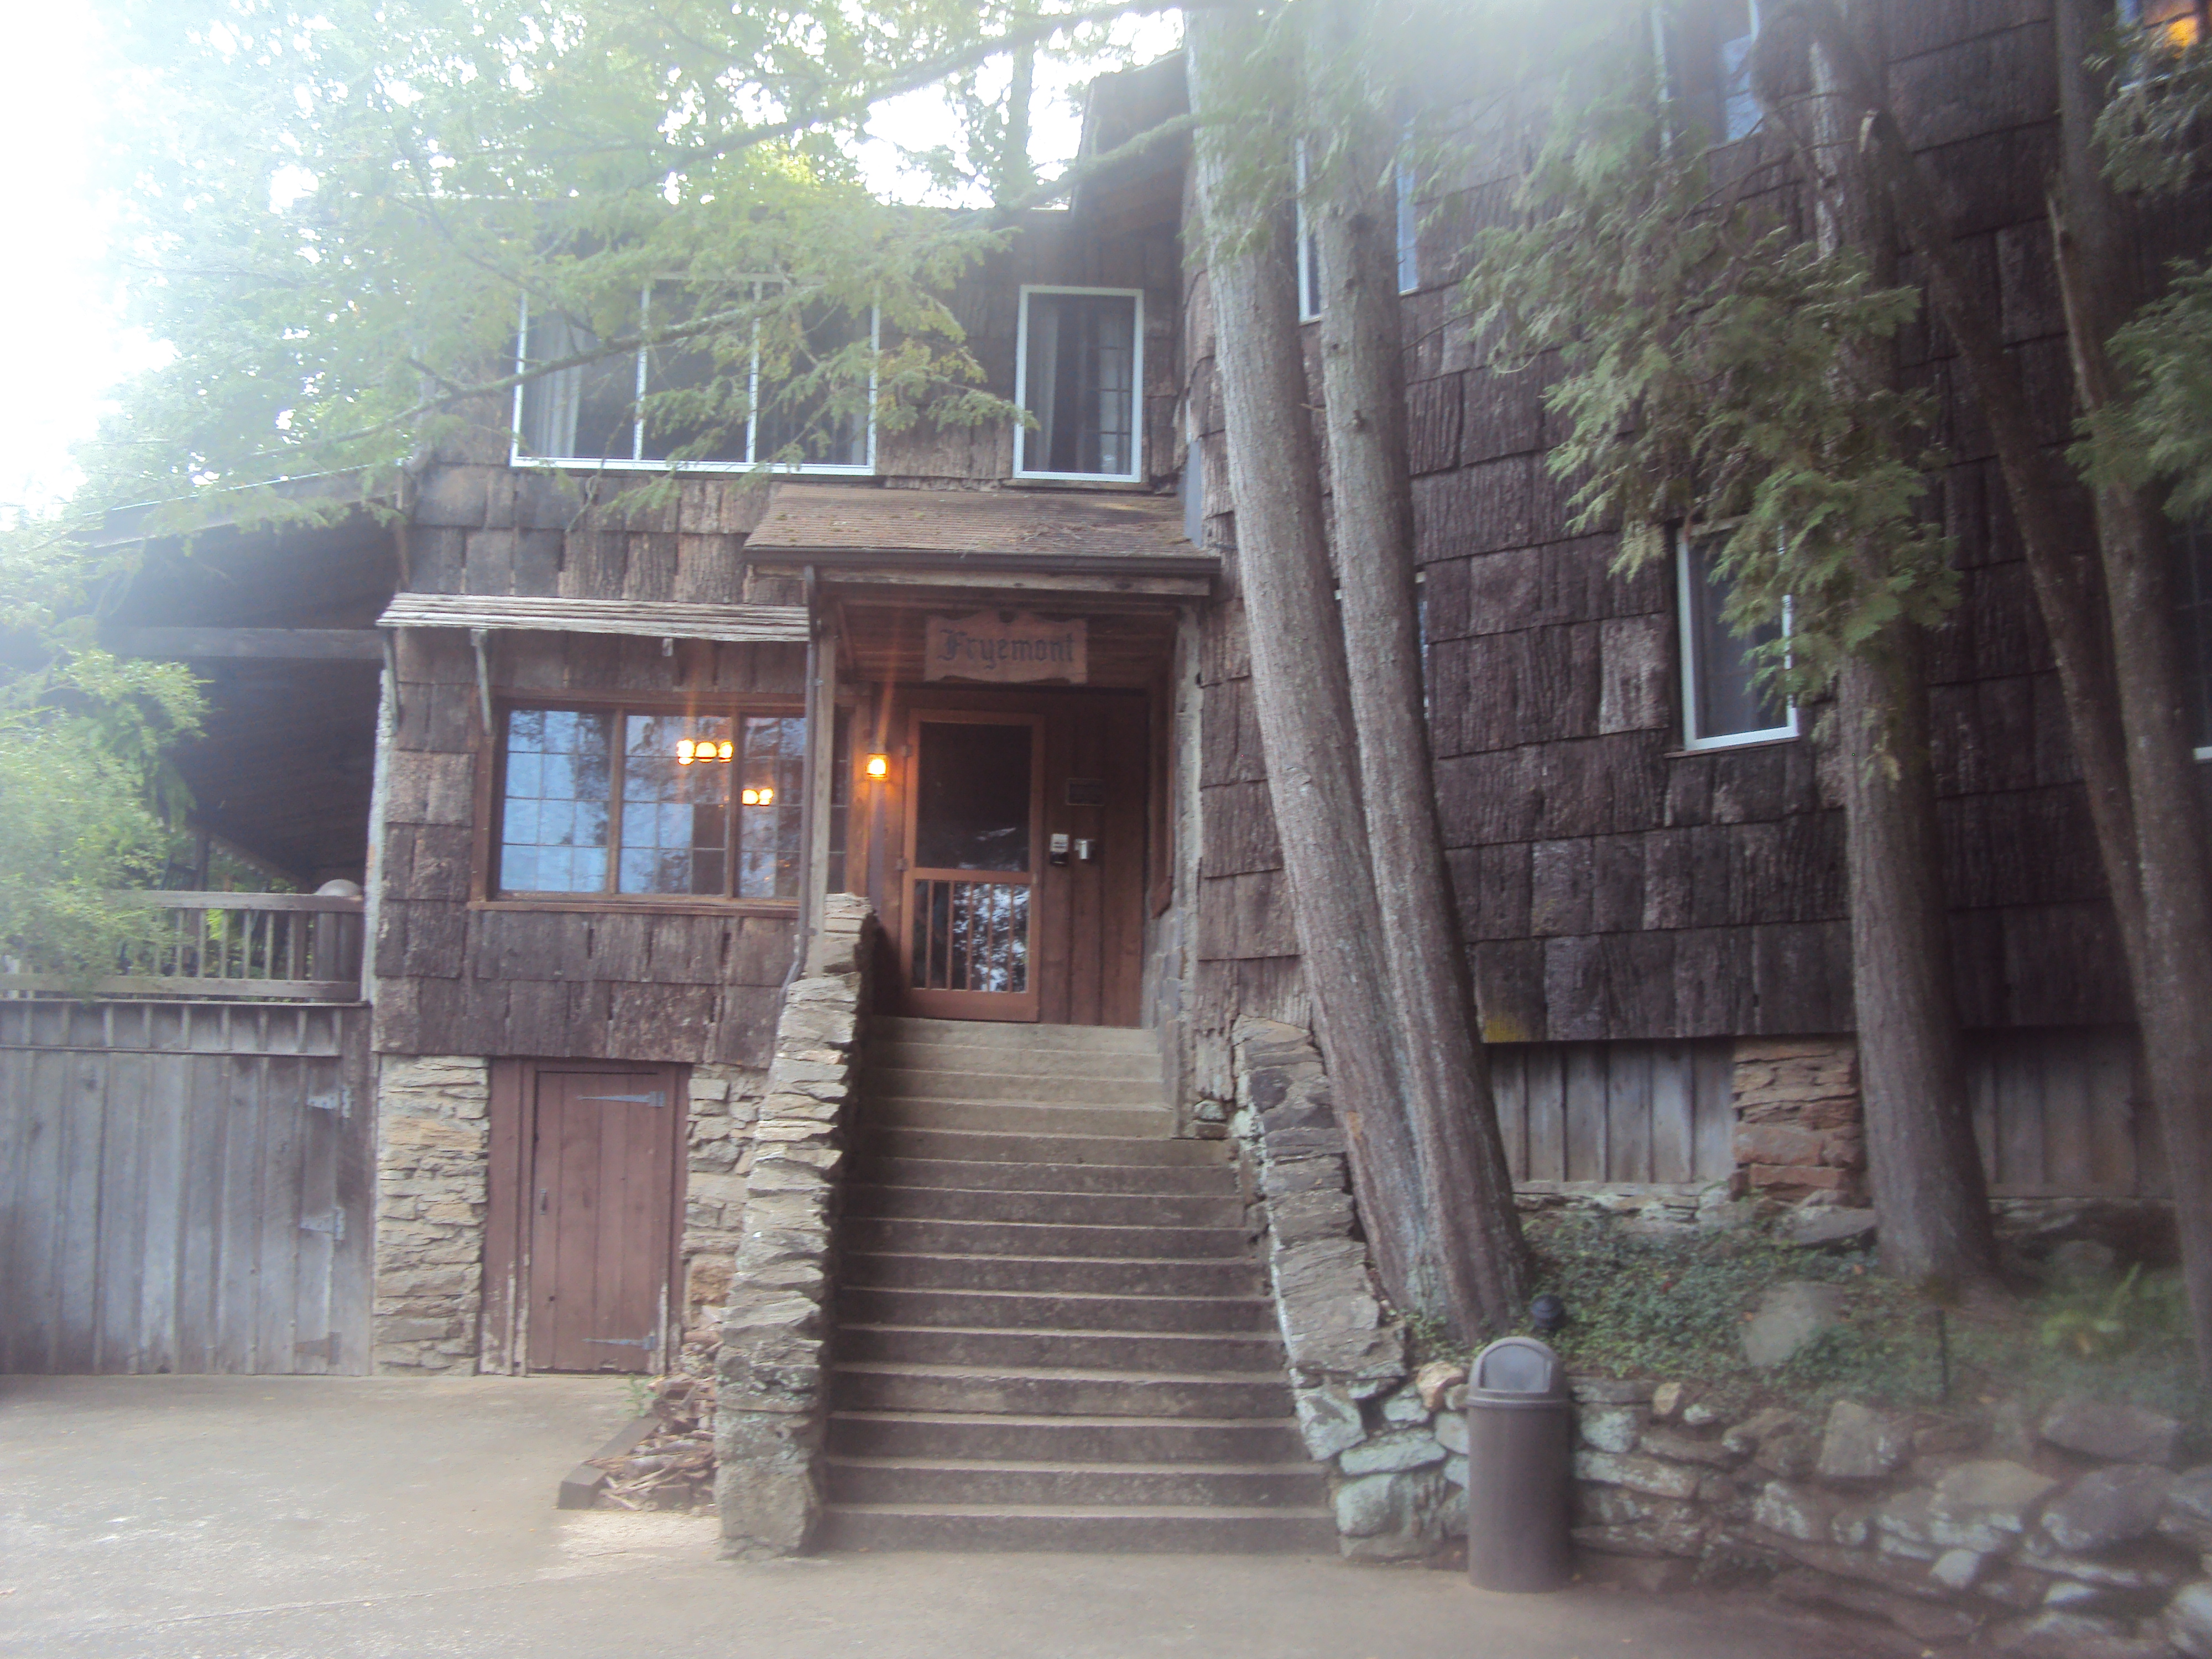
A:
(969, 878)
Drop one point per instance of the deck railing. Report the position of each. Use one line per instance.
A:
(278, 947)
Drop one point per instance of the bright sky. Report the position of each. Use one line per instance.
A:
(69, 347)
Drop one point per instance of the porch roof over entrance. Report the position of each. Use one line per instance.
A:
(976, 529)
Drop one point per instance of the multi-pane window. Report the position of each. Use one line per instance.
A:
(1723, 703)
(1081, 370)
(611, 802)
(684, 402)
(1409, 242)
(2193, 591)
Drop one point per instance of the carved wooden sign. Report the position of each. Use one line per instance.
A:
(1004, 648)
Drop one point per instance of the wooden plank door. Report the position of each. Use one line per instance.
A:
(601, 1193)
(973, 849)
(1091, 908)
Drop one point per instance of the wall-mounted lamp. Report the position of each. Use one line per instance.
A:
(756, 797)
(705, 749)
(879, 765)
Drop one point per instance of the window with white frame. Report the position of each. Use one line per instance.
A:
(774, 401)
(1736, 29)
(2193, 598)
(608, 803)
(1723, 704)
(1409, 242)
(1079, 365)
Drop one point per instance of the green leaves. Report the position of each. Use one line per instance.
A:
(1704, 356)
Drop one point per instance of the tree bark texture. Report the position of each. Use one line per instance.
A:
(2172, 977)
(2105, 615)
(1300, 682)
(1921, 1152)
(1468, 1187)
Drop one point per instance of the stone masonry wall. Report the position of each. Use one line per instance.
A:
(1798, 1135)
(774, 1360)
(725, 1102)
(433, 1145)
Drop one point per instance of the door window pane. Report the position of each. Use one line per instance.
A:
(554, 817)
(1080, 363)
(676, 804)
(972, 797)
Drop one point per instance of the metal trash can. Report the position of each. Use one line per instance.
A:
(1520, 1487)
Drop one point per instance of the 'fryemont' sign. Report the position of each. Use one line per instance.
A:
(1006, 649)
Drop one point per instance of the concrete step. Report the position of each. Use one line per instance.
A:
(1039, 1439)
(864, 1304)
(1005, 1035)
(1015, 1117)
(1246, 1354)
(871, 1165)
(1028, 1240)
(1050, 1391)
(972, 1146)
(1051, 1084)
(1080, 1209)
(976, 1481)
(998, 1058)
(1055, 1274)
(1096, 1529)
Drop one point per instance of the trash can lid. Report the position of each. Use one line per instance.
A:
(1518, 1364)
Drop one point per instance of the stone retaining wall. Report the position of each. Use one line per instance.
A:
(433, 1144)
(724, 1106)
(772, 1362)
(1798, 1132)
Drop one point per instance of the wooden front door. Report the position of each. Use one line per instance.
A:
(601, 1194)
(1022, 896)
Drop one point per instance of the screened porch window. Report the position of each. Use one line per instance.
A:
(679, 402)
(614, 803)
(1723, 705)
(1081, 372)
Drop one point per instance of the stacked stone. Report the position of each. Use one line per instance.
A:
(725, 1101)
(2076, 1540)
(1798, 1133)
(432, 1156)
(1396, 1484)
(771, 1405)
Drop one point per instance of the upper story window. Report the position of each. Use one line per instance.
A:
(609, 803)
(1723, 703)
(1409, 242)
(1736, 29)
(2171, 25)
(680, 404)
(1080, 366)
(2193, 593)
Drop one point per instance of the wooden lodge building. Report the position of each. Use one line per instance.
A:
(594, 771)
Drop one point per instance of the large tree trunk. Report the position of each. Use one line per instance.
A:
(2172, 976)
(2113, 666)
(1300, 681)
(1920, 1152)
(1468, 1188)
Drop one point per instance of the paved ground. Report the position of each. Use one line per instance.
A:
(262, 1518)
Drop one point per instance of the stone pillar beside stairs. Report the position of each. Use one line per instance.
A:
(774, 1364)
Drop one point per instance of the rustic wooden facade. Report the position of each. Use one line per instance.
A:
(1659, 933)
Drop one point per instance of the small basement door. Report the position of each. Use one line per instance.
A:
(580, 1247)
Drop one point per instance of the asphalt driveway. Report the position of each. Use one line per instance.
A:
(267, 1518)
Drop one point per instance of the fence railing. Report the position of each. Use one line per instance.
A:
(289, 947)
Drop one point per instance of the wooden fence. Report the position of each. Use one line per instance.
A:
(2061, 1114)
(183, 1188)
(1615, 1113)
(264, 946)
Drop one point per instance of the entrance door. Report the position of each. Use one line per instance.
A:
(1023, 895)
(971, 862)
(601, 1195)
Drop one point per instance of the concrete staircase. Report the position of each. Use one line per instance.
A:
(1052, 1333)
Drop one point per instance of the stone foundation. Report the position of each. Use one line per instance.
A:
(1798, 1135)
(724, 1107)
(772, 1362)
(433, 1144)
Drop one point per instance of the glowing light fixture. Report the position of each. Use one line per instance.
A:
(879, 765)
(758, 797)
(706, 749)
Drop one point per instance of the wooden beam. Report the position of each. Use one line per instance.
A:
(265, 644)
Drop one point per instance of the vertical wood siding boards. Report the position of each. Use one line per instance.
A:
(1674, 1113)
(26, 1220)
(1713, 1068)
(124, 1179)
(238, 1216)
(1628, 1109)
(1509, 1085)
(77, 1198)
(1545, 1072)
(2115, 1114)
(200, 1218)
